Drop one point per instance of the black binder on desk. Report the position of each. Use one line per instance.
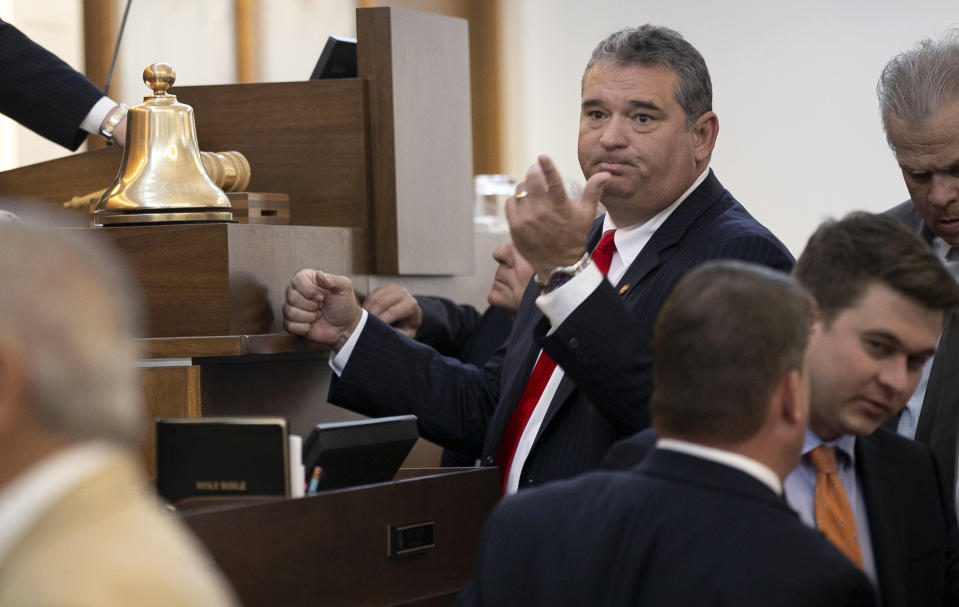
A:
(359, 452)
(216, 457)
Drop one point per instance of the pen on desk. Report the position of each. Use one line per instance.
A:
(314, 480)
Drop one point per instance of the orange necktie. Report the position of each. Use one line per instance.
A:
(834, 516)
(602, 255)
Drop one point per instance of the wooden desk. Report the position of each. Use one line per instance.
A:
(273, 374)
(331, 549)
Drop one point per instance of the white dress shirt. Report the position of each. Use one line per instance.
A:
(94, 118)
(761, 472)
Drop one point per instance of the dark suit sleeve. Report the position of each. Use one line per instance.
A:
(41, 92)
(604, 346)
(390, 374)
(447, 327)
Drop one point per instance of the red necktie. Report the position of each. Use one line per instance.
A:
(602, 255)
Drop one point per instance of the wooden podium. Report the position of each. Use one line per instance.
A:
(378, 170)
(333, 548)
(389, 152)
(377, 184)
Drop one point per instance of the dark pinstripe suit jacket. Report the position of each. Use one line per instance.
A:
(40, 91)
(603, 347)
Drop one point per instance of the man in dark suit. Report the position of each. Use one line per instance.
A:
(49, 97)
(647, 131)
(919, 99)
(702, 520)
(458, 330)
(882, 294)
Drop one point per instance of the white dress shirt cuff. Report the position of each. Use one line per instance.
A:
(97, 113)
(557, 305)
(339, 359)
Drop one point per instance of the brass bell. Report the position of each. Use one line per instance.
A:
(161, 177)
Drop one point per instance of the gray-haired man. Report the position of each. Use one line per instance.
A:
(919, 99)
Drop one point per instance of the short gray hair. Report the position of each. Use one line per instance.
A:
(66, 309)
(916, 83)
(653, 45)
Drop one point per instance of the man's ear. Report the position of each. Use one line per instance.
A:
(788, 403)
(795, 402)
(705, 130)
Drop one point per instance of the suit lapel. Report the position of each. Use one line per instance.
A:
(673, 230)
(516, 367)
(939, 417)
(666, 237)
(886, 518)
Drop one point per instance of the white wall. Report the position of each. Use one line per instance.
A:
(292, 35)
(196, 38)
(793, 85)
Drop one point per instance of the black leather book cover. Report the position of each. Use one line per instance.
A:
(221, 456)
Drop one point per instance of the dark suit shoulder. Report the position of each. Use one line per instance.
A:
(627, 453)
(733, 233)
(903, 450)
(904, 211)
(643, 538)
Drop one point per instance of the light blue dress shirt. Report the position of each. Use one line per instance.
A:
(800, 487)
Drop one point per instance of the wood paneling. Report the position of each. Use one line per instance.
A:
(417, 68)
(244, 15)
(227, 279)
(305, 139)
(485, 50)
(57, 181)
(168, 392)
(100, 29)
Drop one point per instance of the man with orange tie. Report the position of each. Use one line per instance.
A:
(701, 521)
(879, 497)
(576, 372)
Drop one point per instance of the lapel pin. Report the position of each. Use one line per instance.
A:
(624, 288)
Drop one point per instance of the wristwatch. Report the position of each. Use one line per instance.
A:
(111, 121)
(560, 275)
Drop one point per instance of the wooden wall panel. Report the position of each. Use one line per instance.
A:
(168, 392)
(305, 139)
(227, 279)
(417, 68)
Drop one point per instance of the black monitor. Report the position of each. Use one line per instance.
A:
(338, 59)
(359, 452)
